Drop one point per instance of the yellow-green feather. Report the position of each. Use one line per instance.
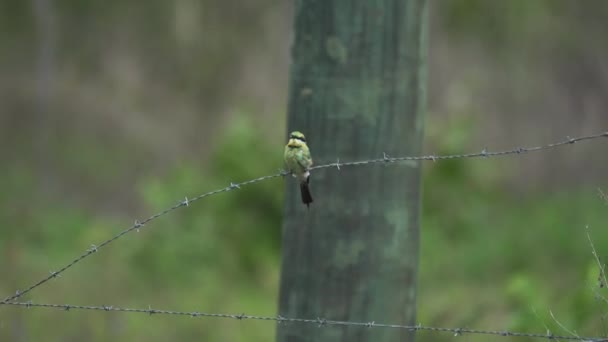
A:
(297, 159)
(297, 155)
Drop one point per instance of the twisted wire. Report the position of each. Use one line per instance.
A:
(320, 322)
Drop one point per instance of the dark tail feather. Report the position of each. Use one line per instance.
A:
(306, 196)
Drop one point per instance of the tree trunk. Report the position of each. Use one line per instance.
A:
(356, 92)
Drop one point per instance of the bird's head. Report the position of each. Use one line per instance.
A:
(296, 139)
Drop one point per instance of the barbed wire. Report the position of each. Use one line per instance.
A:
(233, 186)
(320, 322)
(483, 154)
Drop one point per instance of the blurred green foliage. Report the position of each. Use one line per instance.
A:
(489, 258)
(221, 254)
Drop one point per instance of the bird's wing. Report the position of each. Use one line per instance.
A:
(304, 159)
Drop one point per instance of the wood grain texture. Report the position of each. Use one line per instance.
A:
(356, 91)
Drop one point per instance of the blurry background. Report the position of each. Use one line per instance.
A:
(111, 111)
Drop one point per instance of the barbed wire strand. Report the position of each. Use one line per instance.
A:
(233, 186)
(483, 154)
(320, 322)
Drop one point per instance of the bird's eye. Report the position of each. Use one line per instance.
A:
(297, 137)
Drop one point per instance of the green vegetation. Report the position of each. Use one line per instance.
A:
(494, 258)
(489, 258)
(139, 112)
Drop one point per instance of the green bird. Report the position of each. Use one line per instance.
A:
(298, 162)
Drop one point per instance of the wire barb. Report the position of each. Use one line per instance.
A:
(386, 158)
(321, 322)
(137, 225)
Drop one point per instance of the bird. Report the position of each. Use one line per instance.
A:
(298, 162)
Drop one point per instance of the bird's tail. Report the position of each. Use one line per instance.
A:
(305, 190)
